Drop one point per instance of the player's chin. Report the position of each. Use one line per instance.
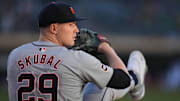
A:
(70, 44)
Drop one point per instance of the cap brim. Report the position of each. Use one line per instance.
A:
(80, 19)
(72, 20)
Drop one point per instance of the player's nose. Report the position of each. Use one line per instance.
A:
(76, 30)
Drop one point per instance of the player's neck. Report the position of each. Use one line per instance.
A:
(50, 38)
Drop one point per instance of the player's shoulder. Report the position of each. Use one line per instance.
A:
(82, 55)
(76, 52)
(19, 49)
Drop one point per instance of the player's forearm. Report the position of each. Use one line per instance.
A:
(113, 59)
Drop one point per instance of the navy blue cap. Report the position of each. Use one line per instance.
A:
(57, 12)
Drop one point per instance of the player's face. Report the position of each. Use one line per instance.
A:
(66, 33)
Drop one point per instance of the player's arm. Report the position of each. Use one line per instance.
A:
(113, 59)
(120, 78)
(94, 43)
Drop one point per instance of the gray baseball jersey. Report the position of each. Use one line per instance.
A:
(42, 70)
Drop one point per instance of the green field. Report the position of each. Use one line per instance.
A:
(157, 95)
(3, 94)
(151, 95)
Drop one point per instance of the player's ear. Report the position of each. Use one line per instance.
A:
(53, 28)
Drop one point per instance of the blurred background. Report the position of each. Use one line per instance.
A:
(152, 26)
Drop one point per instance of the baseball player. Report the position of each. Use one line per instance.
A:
(50, 69)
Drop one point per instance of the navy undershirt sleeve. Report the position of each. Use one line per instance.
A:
(119, 80)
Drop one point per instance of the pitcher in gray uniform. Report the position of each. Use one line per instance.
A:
(46, 70)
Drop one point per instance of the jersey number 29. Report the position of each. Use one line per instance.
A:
(52, 90)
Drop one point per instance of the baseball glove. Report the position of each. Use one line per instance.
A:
(88, 40)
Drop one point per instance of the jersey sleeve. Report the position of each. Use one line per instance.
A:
(93, 70)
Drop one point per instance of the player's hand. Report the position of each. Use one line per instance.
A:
(103, 47)
(89, 41)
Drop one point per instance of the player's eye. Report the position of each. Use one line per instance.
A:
(72, 24)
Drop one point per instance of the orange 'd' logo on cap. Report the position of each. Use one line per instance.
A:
(72, 10)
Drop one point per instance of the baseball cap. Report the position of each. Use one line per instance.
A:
(57, 12)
